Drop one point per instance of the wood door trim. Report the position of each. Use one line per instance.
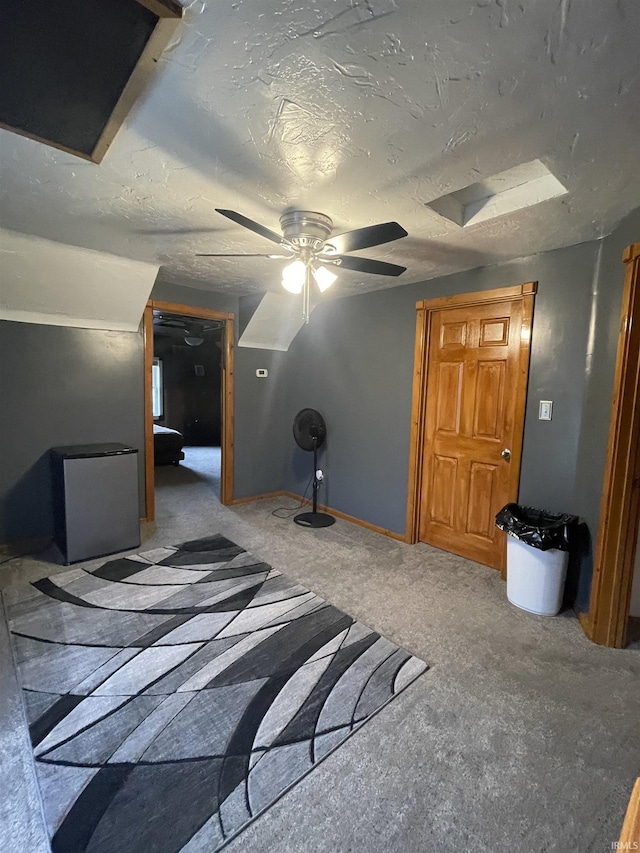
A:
(416, 438)
(620, 507)
(425, 309)
(228, 423)
(630, 833)
(189, 310)
(163, 8)
(227, 462)
(481, 297)
(149, 474)
(139, 81)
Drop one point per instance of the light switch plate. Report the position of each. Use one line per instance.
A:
(262, 372)
(546, 410)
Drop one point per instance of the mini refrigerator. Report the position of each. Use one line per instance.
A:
(95, 500)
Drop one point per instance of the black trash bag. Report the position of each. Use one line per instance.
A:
(535, 527)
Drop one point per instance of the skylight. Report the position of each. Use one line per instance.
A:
(516, 189)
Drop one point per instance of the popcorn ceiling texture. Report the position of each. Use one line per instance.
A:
(365, 111)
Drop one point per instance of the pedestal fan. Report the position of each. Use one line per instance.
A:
(309, 431)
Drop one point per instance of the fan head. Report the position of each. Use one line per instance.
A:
(306, 229)
(309, 429)
(305, 242)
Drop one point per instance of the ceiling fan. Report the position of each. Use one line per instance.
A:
(307, 243)
(192, 331)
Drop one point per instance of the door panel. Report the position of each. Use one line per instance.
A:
(489, 399)
(472, 380)
(482, 481)
(494, 331)
(443, 487)
(453, 335)
(449, 397)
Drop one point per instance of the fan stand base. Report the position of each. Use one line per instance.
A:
(314, 519)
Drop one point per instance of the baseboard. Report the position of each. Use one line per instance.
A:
(252, 498)
(399, 537)
(585, 621)
(283, 493)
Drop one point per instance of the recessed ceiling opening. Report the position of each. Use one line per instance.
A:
(71, 70)
(516, 189)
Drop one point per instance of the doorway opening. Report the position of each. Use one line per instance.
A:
(188, 398)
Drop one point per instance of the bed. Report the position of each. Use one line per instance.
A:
(167, 446)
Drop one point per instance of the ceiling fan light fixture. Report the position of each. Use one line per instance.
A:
(193, 340)
(305, 235)
(293, 277)
(324, 278)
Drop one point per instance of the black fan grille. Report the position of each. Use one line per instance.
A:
(309, 429)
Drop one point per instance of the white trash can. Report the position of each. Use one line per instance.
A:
(535, 578)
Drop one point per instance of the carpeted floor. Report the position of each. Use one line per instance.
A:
(192, 685)
(200, 463)
(523, 735)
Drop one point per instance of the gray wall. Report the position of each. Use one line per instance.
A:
(354, 362)
(65, 386)
(259, 422)
(599, 370)
(60, 386)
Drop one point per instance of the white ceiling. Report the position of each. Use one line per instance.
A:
(364, 110)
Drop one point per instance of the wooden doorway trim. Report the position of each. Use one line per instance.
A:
(227, 439)
(425, 309)
(608, 617)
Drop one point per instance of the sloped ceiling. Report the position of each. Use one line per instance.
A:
(42, 281)
(365, 111)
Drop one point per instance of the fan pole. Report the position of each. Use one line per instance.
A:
(315, 518)
(314, 503)
(306, 295)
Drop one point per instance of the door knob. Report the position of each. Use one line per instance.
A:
(506, 454)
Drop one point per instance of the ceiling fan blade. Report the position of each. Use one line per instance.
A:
(369, 265)
(238, 255)
(251, 225)
(170, 324)
(364, 238)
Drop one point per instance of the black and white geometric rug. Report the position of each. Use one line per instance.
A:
(174, 695)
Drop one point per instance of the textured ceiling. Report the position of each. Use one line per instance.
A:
(364, 111)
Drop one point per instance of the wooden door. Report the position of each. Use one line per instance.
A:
(474, 406)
